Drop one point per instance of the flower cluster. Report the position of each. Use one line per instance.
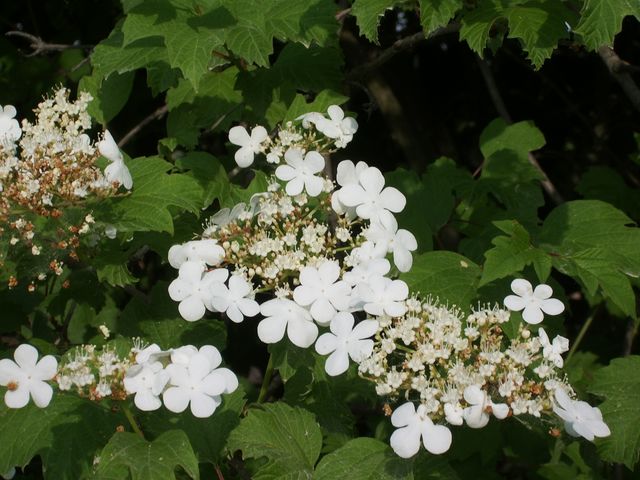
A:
(183, 377)
(46, 169)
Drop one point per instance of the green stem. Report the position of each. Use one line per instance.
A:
(266, 381)
(580, 336)
(132, 421)
(406, 349)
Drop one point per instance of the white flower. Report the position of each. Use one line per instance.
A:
(454, 414)
(580, 418)
(385, 296)
(553, 351)
(412, 425)
(250, 145)
(192, 289)
(300, 172)
(236, 299)
(533, 302)
(10, 131)
(207, 251)
(476, 415)
(116, 171)
(147, 379)
(336, 126)
(283, 314)
(347, 174)
(373, 201)
(321, 290)
(224, 217)
(399, 242)
(196, 380)
(27, 376)
(346, 341)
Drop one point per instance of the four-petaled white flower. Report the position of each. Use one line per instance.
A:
(147, 379)
(476, 415)
(116, 171)
(300, 172)
(10, 131)
(196, 381)
(206, 251)
(580, 418)
(532, 302)
(236, 299)
(412, 426)
(322, 291)
(385, 296)
(372, 200)
(347, 174)
(283, 314)
(344, 342)
(192, 289)
(399, 242)
(225, 216)
(336, 126)
(249, 144)
(27, 377)
(553, 351)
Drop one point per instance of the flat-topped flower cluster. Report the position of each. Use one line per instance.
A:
(46, 167)
(317, 261)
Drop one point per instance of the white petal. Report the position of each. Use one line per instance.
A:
(295, 187)
(212, 354)
(46, 368)
(342, 324)
(203, 406)
(41, 393)
(522, 287)
(436, 438)
(108, 148)
(231, 381)
(514, 303)
(302, 333)
(351, 195)
(393, 199)
(402, 259)
(239, 136)
(474, 395)
(179, 290)
(397, 290)
(220, 304)
(234, 314)
(372, 180)
(313, 186)
(543, 291)
(271, 329)
(365, 329)
(199, 367)
(322, 311)
(406, 441)
(337, 363)
(17, 398)
(286, 173)
(259, 134)
(500, 410)
(406, 239)
(326, 343)
(146, 401)
(349, 126)
(177, 256)
(26, 356)
(191, 308)
(244, 157)
(248, 307)
(346, 173)
(335, 113)
(191, 271)
(403, 415)
(213, 384)
(395, 309)
(314, 162)
(476, 417)
(305, 295)
(532, 314)
(360, 349)
(9, 371)
(176, 399)
(552, 306)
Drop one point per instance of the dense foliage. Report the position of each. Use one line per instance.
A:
(507, 131)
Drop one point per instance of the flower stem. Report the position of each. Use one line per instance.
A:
(132, 421)
(580, 336)
(266, 381)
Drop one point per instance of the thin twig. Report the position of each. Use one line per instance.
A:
(39, 46)
(581, 334)
(218, 472)
(156, 115)
(501, 108)
(620, 69)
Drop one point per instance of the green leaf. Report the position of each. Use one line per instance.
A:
(303, 21)
(209, 173)
(447, 276)
(619, 384)
(368, 14)
(127, 455)
(109, 95)
(476, 24)
(437, 13)
(364, 459)
(601, 20)
(117, 275)
(606, 184)
(591, 241)
(83, 427)
(289, 438)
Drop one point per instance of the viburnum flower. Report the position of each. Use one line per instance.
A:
(284, 314)
(361, 275)
(27, 377)
(235, 299)
(385, 296)
(116, 171)
(344, 342)
(413, 425)
(336, 126)
(192, 289)
(10, 131)
(300, 172)
(249, 144)
(147, 379)
(347, 174)
(400, 242)
(532, 302)
(225, 216)
(372, 200)
(322, 291)
(206, 251)
(553, 351)
(476, 415)
(196, 381)
(580, 418)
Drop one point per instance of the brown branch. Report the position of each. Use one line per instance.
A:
(156, 115)
(401, 45)
(620, 69)
(39, 46)
(500, 106)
